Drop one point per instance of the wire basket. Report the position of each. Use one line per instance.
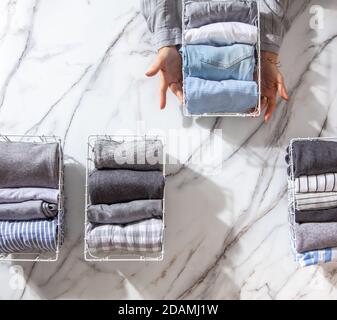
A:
(257, 111)
(42, 256)
(291, 195)
(117, 255)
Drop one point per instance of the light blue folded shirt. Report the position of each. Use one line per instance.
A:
(235, 62)
(229, 96)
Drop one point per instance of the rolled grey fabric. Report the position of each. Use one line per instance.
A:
(319, 216)
(116, 186)
(315, 236)
(201, 13)
(145, 236)
(15, 195)
(135, 155)
(314, 157)
(25, 164)
(128, 212)
(28, 210)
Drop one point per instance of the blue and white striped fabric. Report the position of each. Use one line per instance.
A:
(28, 236)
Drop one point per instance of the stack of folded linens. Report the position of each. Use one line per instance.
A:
(219, 55)
(29, 197)
(312, 184)
(126, 191)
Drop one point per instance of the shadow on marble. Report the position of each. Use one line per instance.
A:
(194, 234)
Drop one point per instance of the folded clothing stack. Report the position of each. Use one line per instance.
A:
(312, 175)
(219, 55)
(29, 197)
(126, 191)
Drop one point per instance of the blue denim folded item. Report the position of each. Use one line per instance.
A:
(236, 62)
(229, 96)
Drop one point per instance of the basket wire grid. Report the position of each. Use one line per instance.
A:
(291, 187)
(41, 256)
(257, 112)
(119, 255)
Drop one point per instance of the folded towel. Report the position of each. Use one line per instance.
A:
(230, 96)
(318, 183)
(116, 186)
(136, 155)
(28, 210)
(222, 34)
(28, 236)
(145, 236)
(319, 216)
(315, 236)
(15, 195)
(315, 201)
(206, 12)
(122, 213)
(236, 62)
(29, 165)
(314, 157)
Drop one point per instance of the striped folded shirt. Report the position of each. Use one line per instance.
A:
(316, 183)
(318, 201)
(28, 236)
(145, 236)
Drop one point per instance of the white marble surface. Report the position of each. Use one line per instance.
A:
(76, 67)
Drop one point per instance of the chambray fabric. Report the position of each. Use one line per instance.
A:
(229, 96)
(28, 236)
(236, 62)
(145, 236)
(25, 164)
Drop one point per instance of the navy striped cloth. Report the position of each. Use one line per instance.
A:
(28, 236)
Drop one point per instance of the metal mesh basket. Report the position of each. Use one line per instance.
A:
(257, 111)
(117, 255)
(42, 256)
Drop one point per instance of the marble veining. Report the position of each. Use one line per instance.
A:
(76, 68)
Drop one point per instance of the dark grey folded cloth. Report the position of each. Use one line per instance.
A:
(123, 213)
(318, 216)
(201, 13)
(28, 210)
(25, 164)
(135, 155)
(315, 236)
(116, 186)
(314, 157)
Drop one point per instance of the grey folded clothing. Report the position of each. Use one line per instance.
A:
(14, 195)
(319, 216)
(116, 186)
(123, 213)
(29, 165)
(145, 236)
(200, 13)
(136, 155)
(314, 157)
(28, 210)
(315, 236)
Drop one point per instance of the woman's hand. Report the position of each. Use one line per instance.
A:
(272, 83)
(169, 66)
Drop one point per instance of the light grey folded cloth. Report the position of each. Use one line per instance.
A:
(136, 155)
(145, 236)
(28, 210)
(25, 164)
(123, 213)
(116, 186)
(14, 195)
(315, 236)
